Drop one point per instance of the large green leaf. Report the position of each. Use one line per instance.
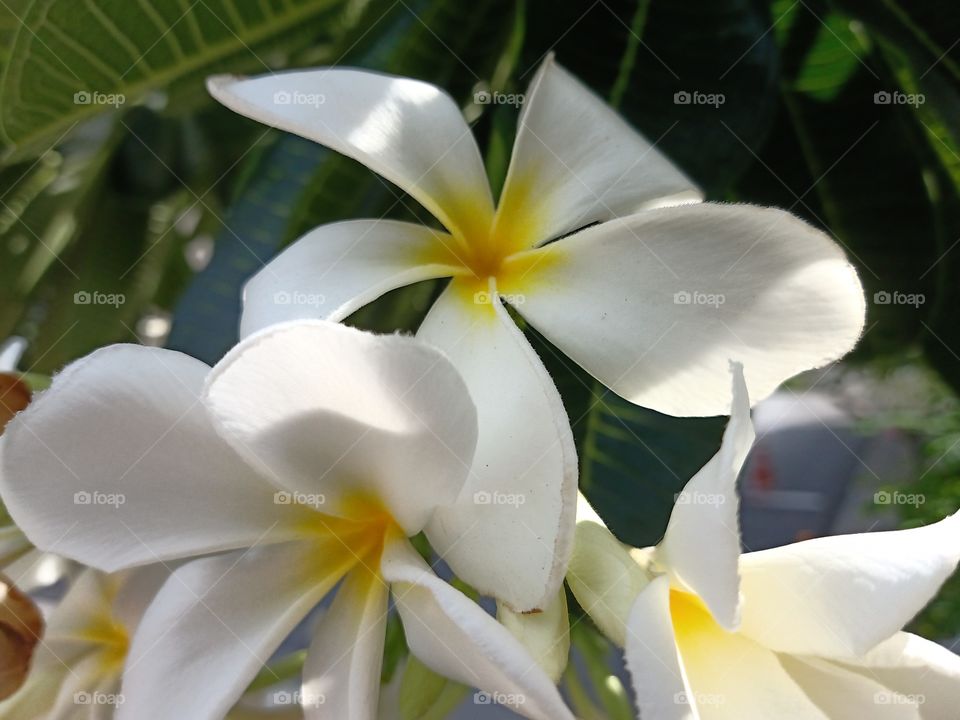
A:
(69, 61)
(641, 54)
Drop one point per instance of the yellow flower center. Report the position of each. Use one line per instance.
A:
(498, 248)
(356, 537)
(690, 615)
(112, 640)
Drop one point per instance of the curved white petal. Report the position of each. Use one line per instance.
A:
(655, 305)
(453, 636)
(545, 635)
(840, 596)
(730, 677)
(341, 675)
(410, 132)
(701, 547)
(336, 269)
(913, 668)
(345, 416)
(840, 693)
(511, 530)
(576, 161)
(117, 464)
(217, 620)
(604, 578)
(656, 670)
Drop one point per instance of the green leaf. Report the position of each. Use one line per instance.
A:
(425, 695)
(641, 57)
(70, 61)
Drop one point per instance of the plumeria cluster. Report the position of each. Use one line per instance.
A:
(214, 508)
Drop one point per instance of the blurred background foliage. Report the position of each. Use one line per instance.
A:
(154, 194)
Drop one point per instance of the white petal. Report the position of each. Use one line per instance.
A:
(840, 596)
(576, 161)
(911, 667)
(545, 635)
(657, 673)
(701, 547)
(453, 636)
(215, 623)
(336, 413)
(511, 530)
(410, 132)
(731, 677)
(839, 692)
(117, 464)
(341, 675)
(336, 269)
(655, 305)
(604, 578)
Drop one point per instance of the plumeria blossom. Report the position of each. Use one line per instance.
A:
(809, 630)
(302, 461)
(77, 667)
(652, 301)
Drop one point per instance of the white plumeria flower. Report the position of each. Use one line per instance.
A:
(307, 456)
(77, 666)
(805, 631)
(652, 301)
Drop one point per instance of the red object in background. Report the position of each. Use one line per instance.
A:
(762, 476)
(14, 397)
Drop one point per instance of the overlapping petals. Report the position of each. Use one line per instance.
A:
(809, 630)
